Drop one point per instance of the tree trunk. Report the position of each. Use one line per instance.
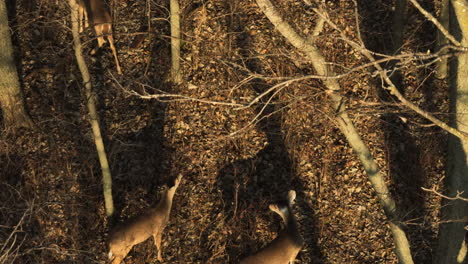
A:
(452, 247)
(175, 42)
(442, 66)
(93, 115)
(11, 97)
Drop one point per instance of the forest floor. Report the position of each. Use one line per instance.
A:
(235, 160)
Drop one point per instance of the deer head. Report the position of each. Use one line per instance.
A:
(285, 247)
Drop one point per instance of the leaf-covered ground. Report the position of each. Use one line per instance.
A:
(235, 160)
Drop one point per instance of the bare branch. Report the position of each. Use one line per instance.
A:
(10, 244)
(435, 22)
(391, 86)
(456, 197)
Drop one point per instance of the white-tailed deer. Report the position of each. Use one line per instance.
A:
(98, 13)
(139, 229)
(285, 247)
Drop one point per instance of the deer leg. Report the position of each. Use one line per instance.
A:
(118, 258)
(86, 19)
(293, 257)
(100, 38)
(114, 52)
(100, 41)
(157, 242)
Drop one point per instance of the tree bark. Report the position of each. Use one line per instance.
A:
(347, 127)
(93, 115)
(11, 96)
(452, 248)
(175, 42)
(442, 66)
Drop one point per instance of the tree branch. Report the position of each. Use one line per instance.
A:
(346, 126)
(393, 89)
(457, 197)
(435, 22)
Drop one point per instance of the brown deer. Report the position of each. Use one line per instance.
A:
(285, 247)
(139, 229)
(98, 13)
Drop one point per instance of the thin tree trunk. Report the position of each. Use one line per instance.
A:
(452, 248)
(442, 66)
(11, 96)
(93, 115)
(175, 42)
(347, 127)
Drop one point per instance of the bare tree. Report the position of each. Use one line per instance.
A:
(11, 97)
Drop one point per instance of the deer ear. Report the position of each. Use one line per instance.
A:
(282, 210)
(291, 197)
(273, 207)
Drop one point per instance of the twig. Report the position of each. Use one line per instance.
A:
(171, 97)
(456, 197)
(356, 18)
(11, 240)
(393, 89)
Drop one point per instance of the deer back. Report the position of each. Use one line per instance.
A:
(134, 231)
(142, 227)
(98, 11)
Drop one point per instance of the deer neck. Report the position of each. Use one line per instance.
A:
(165, 204)
(292, 229)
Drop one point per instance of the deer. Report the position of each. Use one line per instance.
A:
(285, 247)
(139, 229)
(97, 12)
